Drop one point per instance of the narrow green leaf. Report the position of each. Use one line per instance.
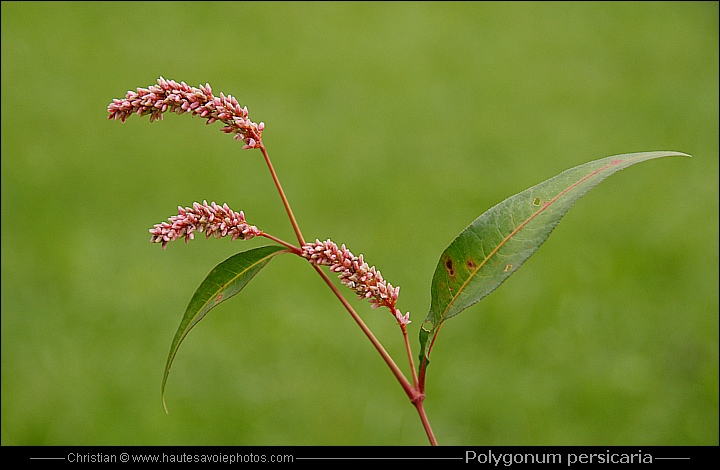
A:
(498, 242)
(225, 280)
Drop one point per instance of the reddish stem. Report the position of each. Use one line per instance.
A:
(292, 248)
(413, 391)
(282, 195)
(423, 417)
(410, 357)
(416, 397)
(409, 389)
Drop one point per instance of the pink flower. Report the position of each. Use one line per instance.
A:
(355, 273)
(402, 319)
(211, 219)
(180, 98)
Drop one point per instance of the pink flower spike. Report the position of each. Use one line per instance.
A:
(212, 219)
(354, 272)
(169, 96)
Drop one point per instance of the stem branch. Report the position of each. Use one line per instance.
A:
(282, 195)
(292, 248)
(426, 424)
(415, 390)
(411, 392)
(410, 358)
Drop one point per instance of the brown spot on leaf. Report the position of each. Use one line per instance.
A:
(218, 298)
(449, 267)
(471, 264)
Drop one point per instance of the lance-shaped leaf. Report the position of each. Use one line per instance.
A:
(498, 242)
(225, 280)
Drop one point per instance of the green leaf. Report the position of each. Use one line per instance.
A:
(225, 280)
(498, 242)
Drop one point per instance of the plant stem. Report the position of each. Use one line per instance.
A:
(282, 195)
(410, 357)
(411, 392)
(424, 363)
(426, 424)
(416, 397)
(292, 248)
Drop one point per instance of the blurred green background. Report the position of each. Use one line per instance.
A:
(392, 126)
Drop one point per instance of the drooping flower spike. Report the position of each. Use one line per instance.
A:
(168, 95)
(355, 273)
(212, 219)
